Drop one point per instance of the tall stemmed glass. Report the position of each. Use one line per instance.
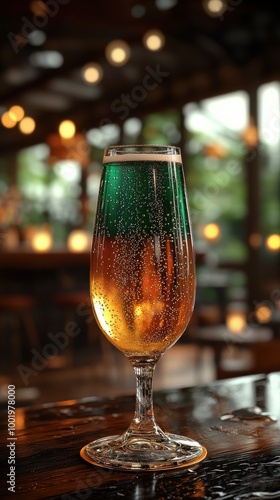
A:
(143, 291)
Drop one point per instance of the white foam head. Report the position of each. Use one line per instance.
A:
(174, 158)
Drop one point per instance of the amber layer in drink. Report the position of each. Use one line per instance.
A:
(142, 291)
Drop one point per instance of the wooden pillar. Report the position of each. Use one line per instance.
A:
(12, 169)
(252, 166)
(84, 197)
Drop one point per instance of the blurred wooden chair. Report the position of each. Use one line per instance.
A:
(17, 319)
(264, 357)
(77, 308)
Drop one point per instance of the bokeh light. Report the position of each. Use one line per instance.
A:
(263, 313)
(92, 73)
(38, 8)
(255, 240)
(138, 11)
(272, 242)
(117, 52)
(16, 113)
(7, 120)
(250, 135)
(67, 129)
(153, 40)
(78, 241)
(27, 125)
(215, 8)
(236, 321)
(41, 241)
(211, 232)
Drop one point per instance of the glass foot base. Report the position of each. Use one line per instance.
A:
(167, 451)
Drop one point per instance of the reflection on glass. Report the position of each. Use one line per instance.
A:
(143, 290)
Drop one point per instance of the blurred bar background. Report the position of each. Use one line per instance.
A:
(77, 76)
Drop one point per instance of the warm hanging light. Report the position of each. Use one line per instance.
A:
(154, 40)
(236, 317)
(211, 232)
(117, 52)
(27, 125)
(42, 240)
(7, 120)
(215, 8)
(272, 242)
(236, 322)
(78, 241)
(16, 113)
(67, 129)
(92, 73)
(263, 313)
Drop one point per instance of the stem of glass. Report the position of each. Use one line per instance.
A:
(143, 422)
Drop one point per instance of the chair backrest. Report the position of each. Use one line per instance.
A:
(266, 356)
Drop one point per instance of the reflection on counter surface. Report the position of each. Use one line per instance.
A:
(243, 456)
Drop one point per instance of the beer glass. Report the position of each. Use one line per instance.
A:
(142, 286)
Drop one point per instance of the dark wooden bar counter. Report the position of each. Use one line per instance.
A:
(55, 259)
(243, 459)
